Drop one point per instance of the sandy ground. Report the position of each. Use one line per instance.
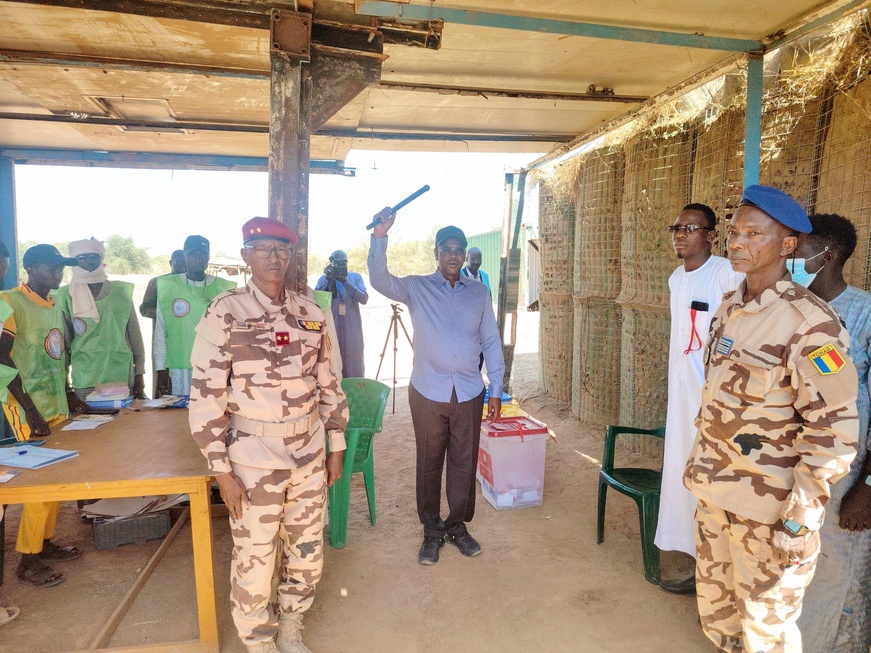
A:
(541, 584)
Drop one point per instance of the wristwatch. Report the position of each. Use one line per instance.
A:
(794, 527)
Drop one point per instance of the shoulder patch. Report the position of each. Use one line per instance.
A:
(827, 359)
(728, 295)
(311, 325)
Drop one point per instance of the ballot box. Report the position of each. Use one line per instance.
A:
(511, 461)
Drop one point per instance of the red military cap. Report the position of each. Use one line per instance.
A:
(267, 228)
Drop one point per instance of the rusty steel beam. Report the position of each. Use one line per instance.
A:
(92, 119)
(426, 34)
(444, 89)
(338, 80)
(289, 144)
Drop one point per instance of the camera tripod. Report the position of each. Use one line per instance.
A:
(393, 328)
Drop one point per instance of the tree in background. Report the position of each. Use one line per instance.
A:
(406, 257)
(123, 256)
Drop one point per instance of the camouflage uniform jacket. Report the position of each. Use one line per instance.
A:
(266, 362)
(778, 422)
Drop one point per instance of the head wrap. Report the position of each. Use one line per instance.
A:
(84, 303)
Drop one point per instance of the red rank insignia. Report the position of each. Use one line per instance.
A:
(282, 338)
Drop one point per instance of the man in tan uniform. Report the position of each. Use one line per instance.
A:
(777, 427)
(263, 396)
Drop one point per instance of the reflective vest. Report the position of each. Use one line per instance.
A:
(182, 306)
(6, 373)
(38, 352)
(99, 351)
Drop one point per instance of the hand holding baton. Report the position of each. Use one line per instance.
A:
(420, 191)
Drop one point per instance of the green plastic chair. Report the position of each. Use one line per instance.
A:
(642, 485)
(366, 402)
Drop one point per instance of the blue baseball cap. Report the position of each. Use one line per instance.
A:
(779, 206)
(47, 254)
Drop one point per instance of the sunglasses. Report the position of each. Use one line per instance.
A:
(686, 228)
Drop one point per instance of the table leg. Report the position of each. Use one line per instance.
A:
(201, 531)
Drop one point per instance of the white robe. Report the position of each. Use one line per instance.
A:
(686, 375)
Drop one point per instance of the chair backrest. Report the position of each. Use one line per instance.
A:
(612, 432)
(367, 400)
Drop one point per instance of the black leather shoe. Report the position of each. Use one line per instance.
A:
(679, 585)
(429, 550)
(467, 544)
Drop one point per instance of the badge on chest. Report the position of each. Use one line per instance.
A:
(282, 338)
(311, 325)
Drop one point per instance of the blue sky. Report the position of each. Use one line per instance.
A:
(159, 208)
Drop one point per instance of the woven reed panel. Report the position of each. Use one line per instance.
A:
(596, 361)
(644, 371)
(655, 189)
(556, 240)
(598, 225)
(790, 137)
(845, 174)
(718, 168)
(555, 338)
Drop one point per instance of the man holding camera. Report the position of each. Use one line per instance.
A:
(349, 292)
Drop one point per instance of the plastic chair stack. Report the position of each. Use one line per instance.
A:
(640, 484)
(366, 402)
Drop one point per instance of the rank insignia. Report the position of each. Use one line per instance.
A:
(311, 325)
(282, 338)
(724, 345)
(827, 359)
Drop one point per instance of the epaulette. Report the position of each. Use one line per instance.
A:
(728, 295)
(813, 309)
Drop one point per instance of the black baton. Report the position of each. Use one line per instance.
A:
(420, 191)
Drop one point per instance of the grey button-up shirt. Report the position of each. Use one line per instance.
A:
(452, 326)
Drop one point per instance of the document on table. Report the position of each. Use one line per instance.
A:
(87, 422)
(8, 474)
(28, 457)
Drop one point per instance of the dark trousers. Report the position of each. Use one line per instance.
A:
(446, 431)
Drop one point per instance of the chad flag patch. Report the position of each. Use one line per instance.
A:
(827, 359)
(311, 325)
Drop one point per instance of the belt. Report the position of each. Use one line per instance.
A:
(274, 429)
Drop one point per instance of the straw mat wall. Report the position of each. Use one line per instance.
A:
(598, 224)
(556, 333)
(596, 363)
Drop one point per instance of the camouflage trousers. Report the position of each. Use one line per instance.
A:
(284, 518)
(748, 603)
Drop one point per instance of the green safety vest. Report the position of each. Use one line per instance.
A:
(182, 307)
(6, 373)
(99, 351)
(38, 353)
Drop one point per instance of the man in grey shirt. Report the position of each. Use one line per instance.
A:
(453, 322)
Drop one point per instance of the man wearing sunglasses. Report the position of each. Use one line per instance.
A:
(697, 288)
(181, 302)
(453, 322)
(262, 354)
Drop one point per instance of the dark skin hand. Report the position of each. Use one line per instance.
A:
(76, 405)
(139, 387)
(856, 505)
(38, 426)
(164, 383)
(234, 494)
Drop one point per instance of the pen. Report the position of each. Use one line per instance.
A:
(20, 453)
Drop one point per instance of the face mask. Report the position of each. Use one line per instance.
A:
(800, 275)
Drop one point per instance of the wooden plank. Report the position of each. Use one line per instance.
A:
(114, 620)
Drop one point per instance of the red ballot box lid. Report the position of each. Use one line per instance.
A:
(512, 426)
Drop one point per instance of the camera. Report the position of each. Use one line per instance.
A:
(337, 270)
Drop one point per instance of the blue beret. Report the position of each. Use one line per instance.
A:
(779, 206)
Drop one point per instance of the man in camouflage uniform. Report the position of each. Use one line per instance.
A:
(263, 395)
(777, 426)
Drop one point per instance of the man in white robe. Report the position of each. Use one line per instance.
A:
(697, 289)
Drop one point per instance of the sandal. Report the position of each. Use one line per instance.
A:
(8, 614)
(51, 551)
(38, 573)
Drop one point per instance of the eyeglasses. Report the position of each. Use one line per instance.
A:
(452, 250)
(88, 257)
(266, 252)
(686, 228)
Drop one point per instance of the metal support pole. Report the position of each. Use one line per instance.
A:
(289, 138)
(8, 227)
(753, 121)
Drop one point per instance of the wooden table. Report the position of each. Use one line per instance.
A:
(141, 453)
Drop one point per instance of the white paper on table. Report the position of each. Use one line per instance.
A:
(161, 402)
(122, 507)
